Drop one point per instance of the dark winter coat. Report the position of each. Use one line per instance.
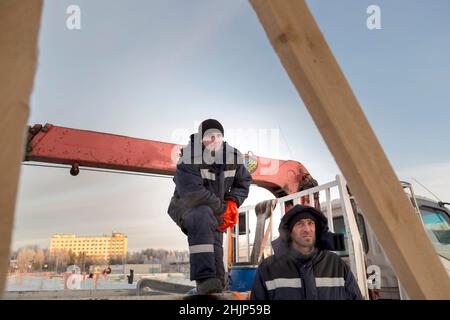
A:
(205, 178)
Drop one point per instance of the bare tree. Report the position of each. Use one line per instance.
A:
(61, 258)
(39, 258)
(25, 259)
(116, 259)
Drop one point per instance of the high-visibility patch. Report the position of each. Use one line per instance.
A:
(229, 173)
(284, 283)
(207, 175)
(330, 282)
(201, 248)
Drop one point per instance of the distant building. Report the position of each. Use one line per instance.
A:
(104, 247)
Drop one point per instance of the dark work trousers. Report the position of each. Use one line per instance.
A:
(205, 244)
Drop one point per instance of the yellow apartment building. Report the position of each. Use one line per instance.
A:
(103, 247)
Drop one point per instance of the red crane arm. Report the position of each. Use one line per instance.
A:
(54, 144)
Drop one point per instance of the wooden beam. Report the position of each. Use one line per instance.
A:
(19, 26)
(308, 60)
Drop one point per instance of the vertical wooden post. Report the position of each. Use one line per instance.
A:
(308, 60)
(19, 26)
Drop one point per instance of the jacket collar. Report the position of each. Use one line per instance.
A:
(195, 152)
(302, 258)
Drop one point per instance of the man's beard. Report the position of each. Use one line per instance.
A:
(306, 244)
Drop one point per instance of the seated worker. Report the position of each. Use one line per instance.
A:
(302, 268)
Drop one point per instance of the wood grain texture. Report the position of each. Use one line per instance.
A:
(19, 26)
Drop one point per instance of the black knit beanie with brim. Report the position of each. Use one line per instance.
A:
(210, 124)
(300, 216)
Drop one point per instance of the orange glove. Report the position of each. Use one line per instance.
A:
(230, 216)
(234, 214)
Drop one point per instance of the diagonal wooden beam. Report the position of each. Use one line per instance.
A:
(308, 60)
(19, 26)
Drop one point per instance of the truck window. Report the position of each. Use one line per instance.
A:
(437, 226)
(339, 227)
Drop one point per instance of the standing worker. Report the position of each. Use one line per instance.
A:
(211, 183)
(302, 267)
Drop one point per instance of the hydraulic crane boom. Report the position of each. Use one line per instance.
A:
(74, 147)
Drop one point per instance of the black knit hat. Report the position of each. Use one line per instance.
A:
(208, 125)
(300, 216)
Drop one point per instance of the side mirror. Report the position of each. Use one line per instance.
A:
(442, 204)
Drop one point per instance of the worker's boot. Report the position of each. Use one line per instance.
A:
(209, 286)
